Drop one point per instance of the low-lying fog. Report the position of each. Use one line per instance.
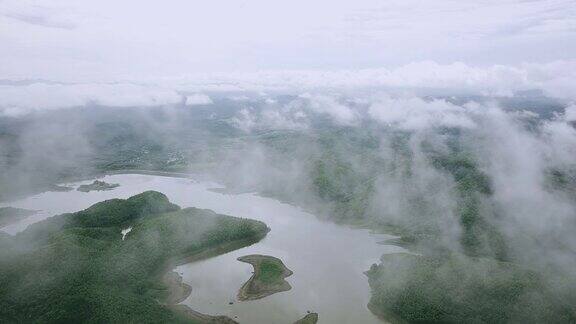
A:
(485, 176)
(328, 260)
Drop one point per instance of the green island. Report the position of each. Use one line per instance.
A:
(267, 279)
(310, 318)
(10, 215)
(75, 267)
(97, 185)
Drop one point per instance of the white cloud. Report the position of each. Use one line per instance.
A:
(408, 113)
(415, 113)
(198, 99)
(245, 120)
(570, 114)
(13, 112)
(40, 13)
(556, 79)
(42, 96)
(240, 98)
(327, 105)
(109, 41)
(274, 117)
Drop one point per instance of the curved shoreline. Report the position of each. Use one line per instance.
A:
(255, 288)
(204, 254)
(310, 318)
(171, 174)
(180, 291)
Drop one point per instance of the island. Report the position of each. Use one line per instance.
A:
(267, 278)
(10, 215)
(84, 272)
(97, 186)
(310, 318)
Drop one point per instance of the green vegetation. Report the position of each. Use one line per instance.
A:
(479, 237)
(476, 279)
(344, 171)
(76, 268)
(270, 272)
(334, 171)
(268, 277)
(459, 289)
(310, 318)
(9, 215)
(97, 186)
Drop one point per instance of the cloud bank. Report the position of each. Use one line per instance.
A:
(556, 80)
(198, 99)
(21, 99)
(95, 41)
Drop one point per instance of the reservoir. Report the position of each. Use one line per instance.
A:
(328, 260)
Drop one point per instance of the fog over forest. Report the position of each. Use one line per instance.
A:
(426, 152)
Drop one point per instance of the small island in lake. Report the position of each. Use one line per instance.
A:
(87, 273)
(97, 186)
(310, 318)
(267, 279)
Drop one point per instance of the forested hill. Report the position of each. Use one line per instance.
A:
(77, 267)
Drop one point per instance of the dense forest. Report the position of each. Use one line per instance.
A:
(77, 267)
(440, 189)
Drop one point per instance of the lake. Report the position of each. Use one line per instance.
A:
(328, 260)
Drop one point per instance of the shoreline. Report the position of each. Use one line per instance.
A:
(171, 174)
(254, 288)
(178, 291)
(310, 318)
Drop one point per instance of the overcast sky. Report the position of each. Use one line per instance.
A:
(131, 39)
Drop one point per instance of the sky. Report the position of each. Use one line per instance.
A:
(117, 40)
(70, 53)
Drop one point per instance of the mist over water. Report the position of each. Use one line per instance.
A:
(392, 145)
(415, 161)
(327, 259)
(466, 177)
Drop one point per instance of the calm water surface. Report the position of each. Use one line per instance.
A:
(328, 260)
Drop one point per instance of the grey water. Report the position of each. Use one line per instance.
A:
(328, 260)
